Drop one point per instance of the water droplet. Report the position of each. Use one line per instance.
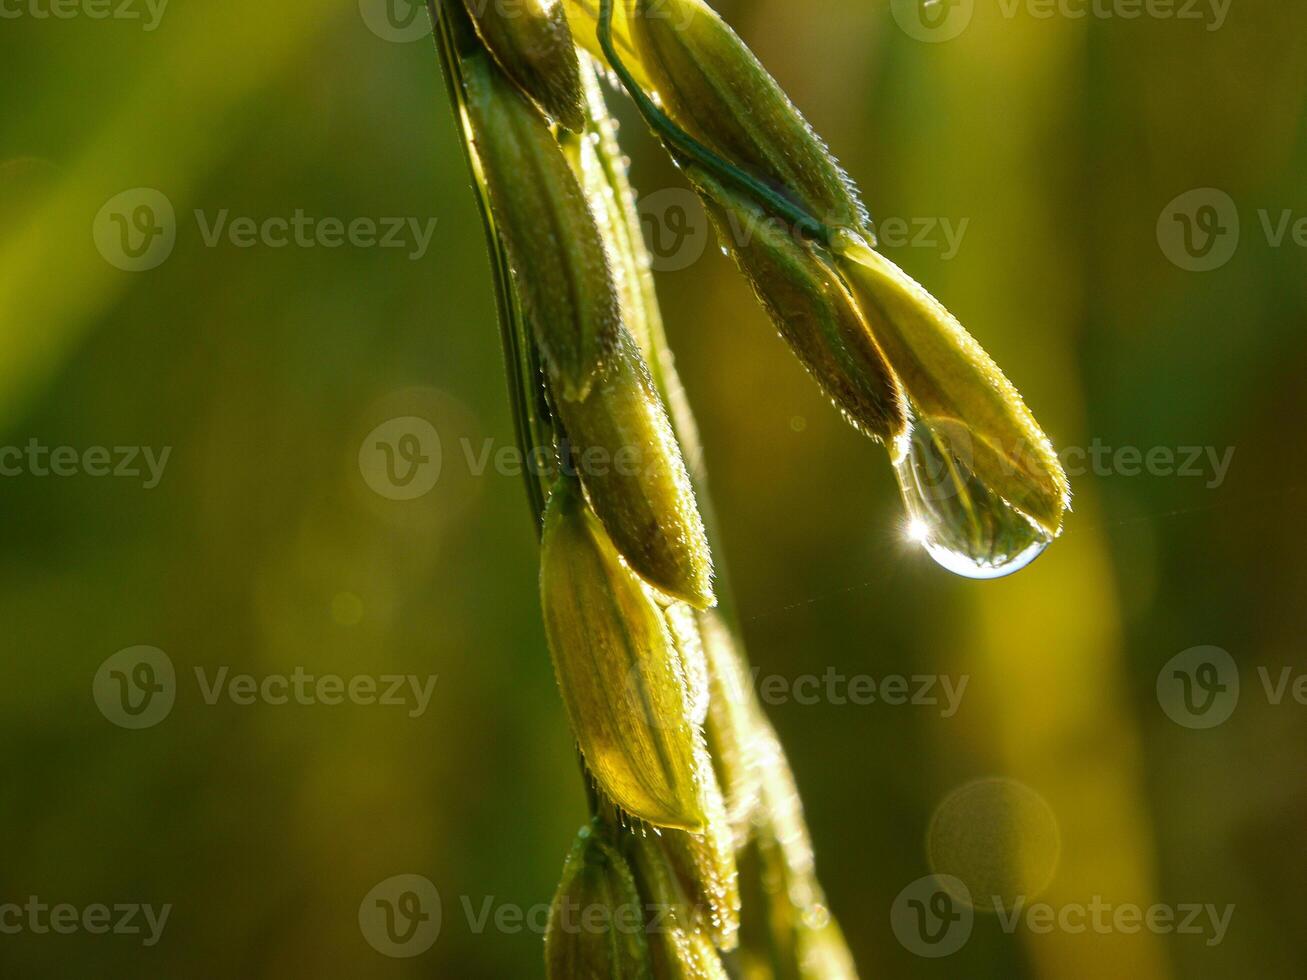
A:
(963, 524)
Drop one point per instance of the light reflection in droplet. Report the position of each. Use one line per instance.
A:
(963, 525)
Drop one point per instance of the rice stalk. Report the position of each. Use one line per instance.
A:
(694, 811)
(751, 155)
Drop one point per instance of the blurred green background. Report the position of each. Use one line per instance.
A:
(1062, 142)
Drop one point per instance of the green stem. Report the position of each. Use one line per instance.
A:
(521, 361)
(532, 420)
(689, 147)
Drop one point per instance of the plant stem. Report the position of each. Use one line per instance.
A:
(521, 360)
(689, 147)
(533, 423)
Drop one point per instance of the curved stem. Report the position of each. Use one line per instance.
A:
(689, 147)
(520, 359)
